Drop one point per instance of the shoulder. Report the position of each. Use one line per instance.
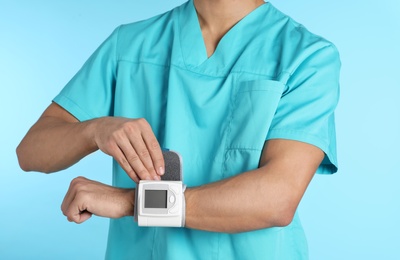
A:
(146, 36)
(143, 27)
(143, 33)
(291, 31)
(293, 43)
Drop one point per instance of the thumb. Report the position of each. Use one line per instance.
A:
(83, 216)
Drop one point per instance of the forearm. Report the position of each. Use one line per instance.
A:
(262, 198)
(249, 201)
(58, 140)
(53, 144)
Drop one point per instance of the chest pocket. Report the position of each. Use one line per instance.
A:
(253, 108)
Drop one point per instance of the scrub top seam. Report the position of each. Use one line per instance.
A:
(143, 62)
(291, 131)
(229, 128)
(259, 90)
(233, 148)
(281, 133)
(271, 77)
(154, 242)
(178, 31)
(117, 44)
(76, 110)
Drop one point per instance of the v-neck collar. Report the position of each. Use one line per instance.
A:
(192, 42)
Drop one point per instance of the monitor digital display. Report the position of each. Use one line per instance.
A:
(155, 199)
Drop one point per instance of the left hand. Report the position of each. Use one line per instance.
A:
(86, 197)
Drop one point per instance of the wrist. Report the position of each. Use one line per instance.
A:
(90, 132)
(189, 195)
(130, 202)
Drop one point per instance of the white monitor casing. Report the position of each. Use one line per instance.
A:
(163, 206)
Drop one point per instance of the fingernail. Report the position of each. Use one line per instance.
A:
(161, 170)
(156, 178)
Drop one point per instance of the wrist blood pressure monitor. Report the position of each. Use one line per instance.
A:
(162, 203)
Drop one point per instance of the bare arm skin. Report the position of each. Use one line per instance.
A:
(262, 198)
(58, 140)
(87, 197)
(265, 197)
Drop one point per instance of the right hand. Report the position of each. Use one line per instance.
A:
(131, 142)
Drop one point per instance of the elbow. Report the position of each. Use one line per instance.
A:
(283, 209)
(25, 161)
(283, 219)
(22, 159)
(282, 216)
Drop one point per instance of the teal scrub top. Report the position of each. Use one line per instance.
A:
(268, 78)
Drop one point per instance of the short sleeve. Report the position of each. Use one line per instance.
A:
(306, 110)
(89, 94)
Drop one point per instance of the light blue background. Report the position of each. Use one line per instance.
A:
(351, 215)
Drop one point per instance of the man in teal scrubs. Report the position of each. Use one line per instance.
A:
(245, 94)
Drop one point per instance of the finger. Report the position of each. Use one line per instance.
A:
(83, 216)
(120, 157)
(139, 158)
(155, 152)
(78, 217)
(153, 148)
(145, 157)
(72, 212)
(65, 203)
(70, 195)
(76, 210)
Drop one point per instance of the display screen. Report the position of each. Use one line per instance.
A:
(155, 199)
